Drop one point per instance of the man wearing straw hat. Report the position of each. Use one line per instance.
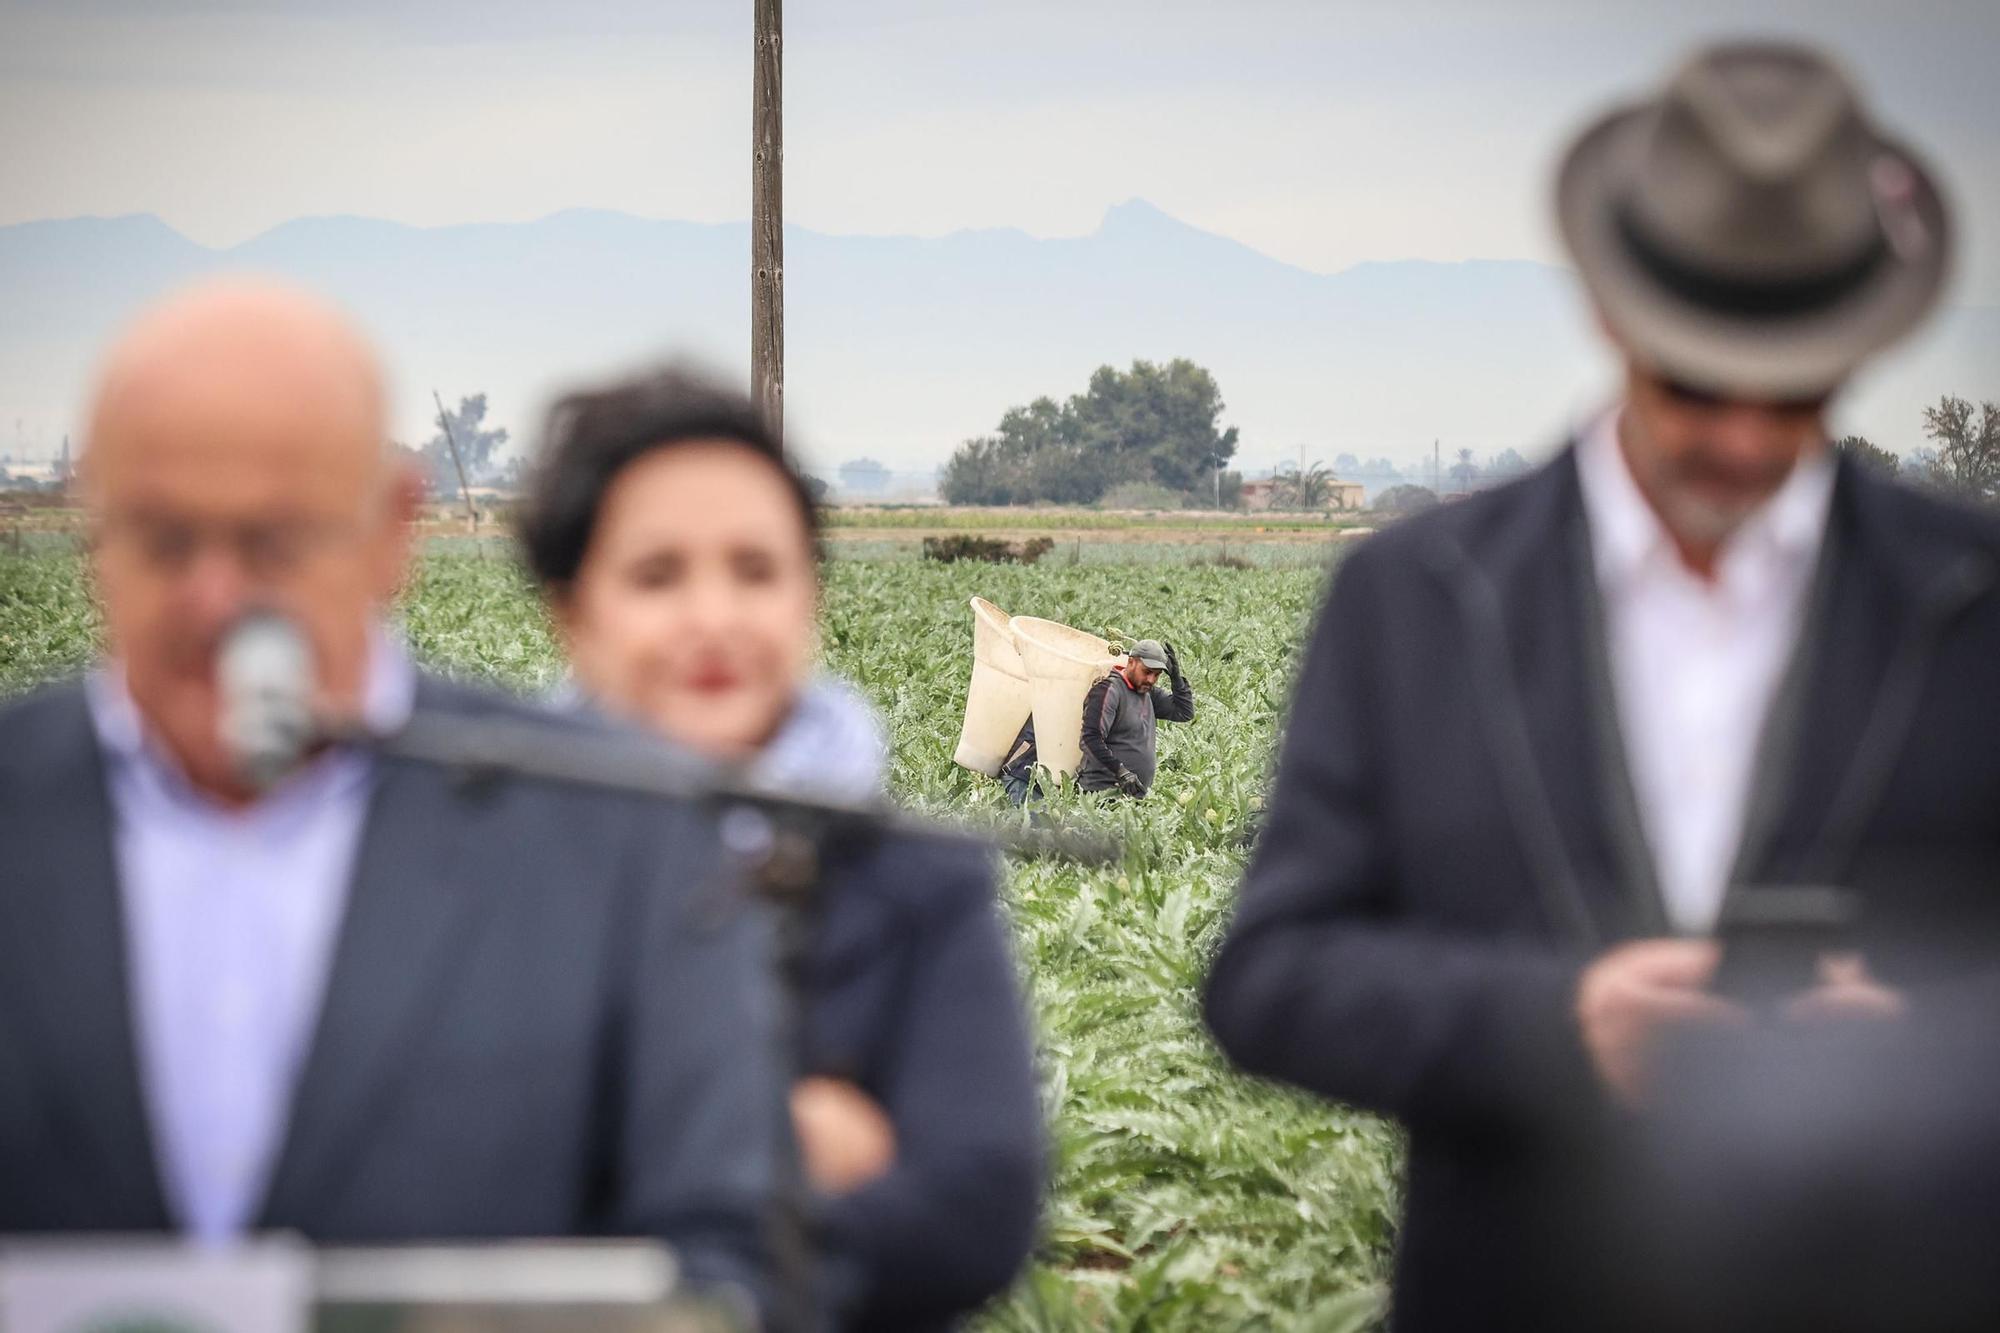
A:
(1696, 652)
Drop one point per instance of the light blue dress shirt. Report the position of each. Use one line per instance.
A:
(231, 917)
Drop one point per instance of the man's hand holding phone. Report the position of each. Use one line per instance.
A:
(1845, 991)
(1783, 952)
(1633, 994)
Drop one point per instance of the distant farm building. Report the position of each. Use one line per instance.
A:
(1341, 496)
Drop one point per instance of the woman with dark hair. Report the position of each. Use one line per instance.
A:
(678, 551)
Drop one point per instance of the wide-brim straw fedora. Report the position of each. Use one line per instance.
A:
(1750, 231)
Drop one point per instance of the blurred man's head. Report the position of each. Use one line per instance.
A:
(237, 459)
(1750, 238)
(1706, 461)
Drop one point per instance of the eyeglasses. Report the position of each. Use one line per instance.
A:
(265, 550)
(1695, 395)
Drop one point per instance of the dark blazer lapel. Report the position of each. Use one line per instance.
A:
(1631, 876)
(1527, 601)
(1891, 591)
(410, 914)
(1832, 605)
(63, 970)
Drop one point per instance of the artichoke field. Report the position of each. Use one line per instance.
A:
(1184, 1196)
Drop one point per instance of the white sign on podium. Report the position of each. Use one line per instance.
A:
(112, 1286)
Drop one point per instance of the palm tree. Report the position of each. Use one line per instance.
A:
(1308, 490)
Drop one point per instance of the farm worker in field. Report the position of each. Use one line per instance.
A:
(679, 553)
(355, 999)
(1120, 740)
(1517, 789)
(1017, 770)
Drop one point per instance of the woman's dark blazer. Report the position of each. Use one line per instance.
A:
(912, 994)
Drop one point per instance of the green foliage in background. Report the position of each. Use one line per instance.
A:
(1157, 425)
(1184, 1196)
(48, 624)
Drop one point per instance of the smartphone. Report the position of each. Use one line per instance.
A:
(1774, 935)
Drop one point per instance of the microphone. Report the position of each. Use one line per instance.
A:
(264, 677)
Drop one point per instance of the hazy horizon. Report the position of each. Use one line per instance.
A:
(1325, 136)
(900, 348)
(1323, 133)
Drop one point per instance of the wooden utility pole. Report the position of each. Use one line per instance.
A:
(457, 463)
(767, 216)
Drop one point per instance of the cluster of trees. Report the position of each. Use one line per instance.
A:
(479, 447)
(864, 476)
(1350, 468)
(1962, 459)
(1155, 426)
(1503, 466)
(1405, 499)
(1465, 470)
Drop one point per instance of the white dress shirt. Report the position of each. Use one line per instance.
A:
(230, 922)
(1695, 663)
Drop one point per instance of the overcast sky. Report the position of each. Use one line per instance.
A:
(1324, 133)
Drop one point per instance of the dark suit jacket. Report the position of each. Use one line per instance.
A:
(1452, 834)
(546, 1016)
(913, 997)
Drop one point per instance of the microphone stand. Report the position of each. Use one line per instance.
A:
(783, 850)
(787, 877)
(496, 746)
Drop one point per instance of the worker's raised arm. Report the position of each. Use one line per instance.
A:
(1178, 705)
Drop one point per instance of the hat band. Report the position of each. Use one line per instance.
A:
(1740, 296)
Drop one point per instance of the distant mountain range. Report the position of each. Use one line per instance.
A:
(899, 347)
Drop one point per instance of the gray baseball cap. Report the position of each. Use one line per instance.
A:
(1150, 653)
